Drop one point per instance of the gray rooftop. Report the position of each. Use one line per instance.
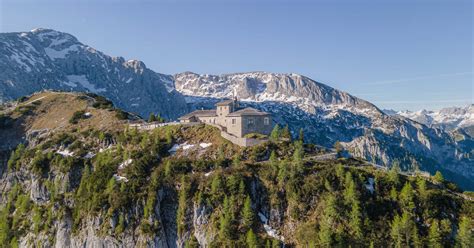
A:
(247, 111)
(209, 113)
(225, 102)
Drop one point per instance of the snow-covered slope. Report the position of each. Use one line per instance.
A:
(446, 118)
(290, 88)
(48, 59)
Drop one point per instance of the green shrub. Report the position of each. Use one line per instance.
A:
(121, 115)
(101, 102)
(78, 115)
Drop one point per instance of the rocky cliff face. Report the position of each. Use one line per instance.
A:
(48, 59)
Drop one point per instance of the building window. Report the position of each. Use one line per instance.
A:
(266, 121)
(250, 121)
(233, 121)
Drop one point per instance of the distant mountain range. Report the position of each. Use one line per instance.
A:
(48, 59)
(447, 118)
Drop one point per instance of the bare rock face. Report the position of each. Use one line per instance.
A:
(39, 194)
(264, 87)
(202, 231)
(63, 233)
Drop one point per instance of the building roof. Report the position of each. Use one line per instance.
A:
(225, 102)
(247, 111)
(206, 113)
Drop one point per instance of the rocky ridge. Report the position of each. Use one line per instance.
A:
(47, 59)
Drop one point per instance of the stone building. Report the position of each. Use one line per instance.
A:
(232, 119)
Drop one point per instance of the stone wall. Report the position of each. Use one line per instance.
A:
(257, 125)
(242, 141)
(150, 126)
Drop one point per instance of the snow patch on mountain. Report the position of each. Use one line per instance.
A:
(447, 118)
(60, 54)
(82, 80)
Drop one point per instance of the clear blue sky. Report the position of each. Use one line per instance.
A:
(397, 54)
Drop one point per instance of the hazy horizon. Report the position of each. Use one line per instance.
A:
(404, 55)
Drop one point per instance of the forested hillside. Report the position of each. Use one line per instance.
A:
(77, 184)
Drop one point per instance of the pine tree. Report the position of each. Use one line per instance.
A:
(406, 197)
(216, 187)
(168, 168)
(327, 222)
(236, 160)
(371, 245)
(434, 235)
(274, 162)
(121, 224)
(168, 136)
(37, 219)
(83, 185)
(301, 135)
(408, 229)
(225, 227)
(160, 119)
(282, 172)
(438, 177)
(421, 185)
(464, 237)
(396, 232)
(248, 216)
(275, 134)
(151, 117)
(340, 172)
(404, 232)
(4, 226)
(268, 244)
(298, 156)
(241, 187)
(328, 186)
(110, 186)
(393, 176)
(446, 231)
(251, 239)
(393, 194)
(415, 239)
(285, 133)
(149, 205)
(182, 204)
(14, 243)
(276, 243)
(350, 192)
(356, 221)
